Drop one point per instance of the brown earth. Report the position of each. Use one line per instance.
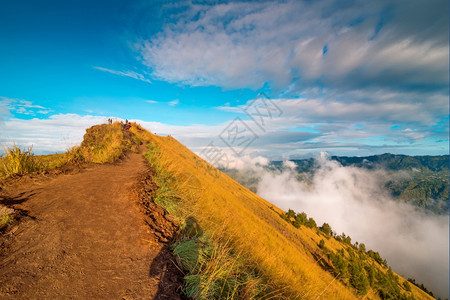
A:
(94, 233)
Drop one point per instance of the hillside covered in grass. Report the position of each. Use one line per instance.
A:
(232, 244)
(236, 244)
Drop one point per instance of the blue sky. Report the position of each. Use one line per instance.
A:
(348, 77)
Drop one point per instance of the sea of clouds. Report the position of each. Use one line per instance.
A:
(414, 242)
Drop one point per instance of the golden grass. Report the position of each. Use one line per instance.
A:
(52, 161)
(101, 144)
(255, 230)
(18, 161)
(250, 244)
(249, 224)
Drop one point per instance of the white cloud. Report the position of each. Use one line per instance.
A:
(56, 134)
(383, 81)
(130, 74)
(354, 121)
(20, 106)
(174, 102)
(306, 126)
(289, 164)
(242, 162)
(151, 101)
(246, 44)
(350, 199)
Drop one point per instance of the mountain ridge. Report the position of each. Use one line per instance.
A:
(233, 244)
(388, 161)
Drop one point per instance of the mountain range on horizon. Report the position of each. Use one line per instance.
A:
(425, 180)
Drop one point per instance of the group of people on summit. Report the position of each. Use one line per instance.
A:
(126, 125)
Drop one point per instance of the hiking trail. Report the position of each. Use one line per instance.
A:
(84, 236)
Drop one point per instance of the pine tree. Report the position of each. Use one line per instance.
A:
(326, 228)
(290, 213)
(311, 223)
(362, 247)
(358, 278)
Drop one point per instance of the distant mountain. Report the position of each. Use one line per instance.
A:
(396, 162)
(387, 161)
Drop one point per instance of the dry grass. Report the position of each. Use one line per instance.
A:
(246, 250)
(18, 161)
(101, 144)
(220, 204)
(5, 220)
(52, 161)
(281, 254)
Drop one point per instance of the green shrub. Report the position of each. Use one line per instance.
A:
(358, 278)
(191, 254)
(322, 244)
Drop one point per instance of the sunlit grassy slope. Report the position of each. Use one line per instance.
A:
(259, 254)
(288, 258)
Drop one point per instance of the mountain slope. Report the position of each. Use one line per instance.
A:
(231, 243)
(287, 259)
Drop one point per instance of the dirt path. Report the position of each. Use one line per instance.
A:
(85, 238)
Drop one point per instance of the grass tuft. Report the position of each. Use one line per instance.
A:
(18, 161)
(74, 155)
(215, 270)
(5, 220)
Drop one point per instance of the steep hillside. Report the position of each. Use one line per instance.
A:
(236, 244)
(232, 244)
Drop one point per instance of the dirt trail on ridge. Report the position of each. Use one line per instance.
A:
(85, 238)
